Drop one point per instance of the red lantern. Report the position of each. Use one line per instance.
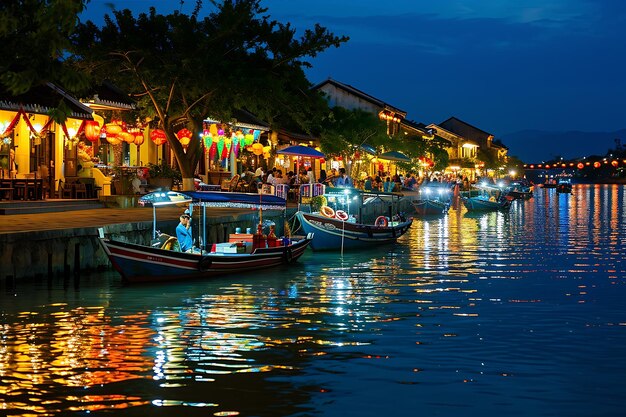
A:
(580, 165)
(92, 130)
(357, 155)
(614, 163)
(322, 161)
(184, 137)
(158, 136)
(596, 164)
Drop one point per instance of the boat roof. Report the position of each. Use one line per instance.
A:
(236, 200)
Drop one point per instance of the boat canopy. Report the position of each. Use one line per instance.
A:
(236, 200)
(163, 198)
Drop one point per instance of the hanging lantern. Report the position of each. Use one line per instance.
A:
(139, 138)
(596, 164)
(158, 136)
(257, 149)
(184, 137)
(113, 140)
(614, 163)
(266, 152)
(113, 129)
(126, 137)
(256, 134)
(357, 155)
(92, 130)
(248, 139)
(580, 165)
(322, 161)
(220, 147)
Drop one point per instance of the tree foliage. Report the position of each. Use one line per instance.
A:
(34, 35)
(345, 131)
(183, 68)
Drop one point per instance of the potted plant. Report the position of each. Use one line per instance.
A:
(162, 175)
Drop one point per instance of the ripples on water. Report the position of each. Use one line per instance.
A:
(518, 313)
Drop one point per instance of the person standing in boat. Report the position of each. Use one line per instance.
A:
(183, 233)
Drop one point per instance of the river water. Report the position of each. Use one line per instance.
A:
(519, 314)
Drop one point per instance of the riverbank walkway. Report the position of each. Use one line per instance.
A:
(96, 218)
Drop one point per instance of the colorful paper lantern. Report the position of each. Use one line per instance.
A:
(139, 138)
(126, 137)
(257, 149)
(113, 129)
(184, 137)
(92, 130)
(158, 136)
(113, 140)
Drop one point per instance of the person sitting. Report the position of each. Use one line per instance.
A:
(183, 233)
(367, 185)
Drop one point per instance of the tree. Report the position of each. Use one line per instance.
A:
(183, 68)
(34, 35)
(345, 131)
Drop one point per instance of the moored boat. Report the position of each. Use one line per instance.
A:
(162, 262)
(331, 233)
(564, 186)
(487, 198)
(434, 199)
(520, 190)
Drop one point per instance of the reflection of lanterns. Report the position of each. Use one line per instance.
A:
(158, 136)
(580, 165)
(92, 130)
(596, 164)
(126, 137)
(184, 137)
(257, 149)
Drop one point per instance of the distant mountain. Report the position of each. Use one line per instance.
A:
(536, 145)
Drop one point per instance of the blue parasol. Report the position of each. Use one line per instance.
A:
(395, 156)
(299, 150)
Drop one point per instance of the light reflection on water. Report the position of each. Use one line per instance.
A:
(518, 312)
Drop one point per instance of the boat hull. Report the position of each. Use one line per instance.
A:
(479, 204)
(333, 234)
(430, 207)
(138, 263)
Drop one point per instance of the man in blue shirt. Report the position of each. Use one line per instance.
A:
(183, 233)
(344, 179)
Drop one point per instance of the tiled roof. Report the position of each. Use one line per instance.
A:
(41, 99)
(364, 96)
(464, 129)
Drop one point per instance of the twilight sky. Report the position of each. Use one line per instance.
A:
(501, 65)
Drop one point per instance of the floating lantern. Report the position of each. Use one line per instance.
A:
(158, 136)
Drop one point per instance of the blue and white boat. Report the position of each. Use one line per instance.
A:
(486, 197)
(335, 234)
(434, 199)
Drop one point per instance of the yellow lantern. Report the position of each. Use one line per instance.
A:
(113, 140)
(127, 137)
(257, 149)
(139, 139)
(113, 129)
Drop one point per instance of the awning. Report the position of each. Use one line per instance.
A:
(236, 200)
(395, 156)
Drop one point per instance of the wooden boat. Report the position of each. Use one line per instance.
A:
(144, 263)
(564, 186)
(334, 234)
(433, 199)
(487, 198)
(520, 190)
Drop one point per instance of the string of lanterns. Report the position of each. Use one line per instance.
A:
(580, 165)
